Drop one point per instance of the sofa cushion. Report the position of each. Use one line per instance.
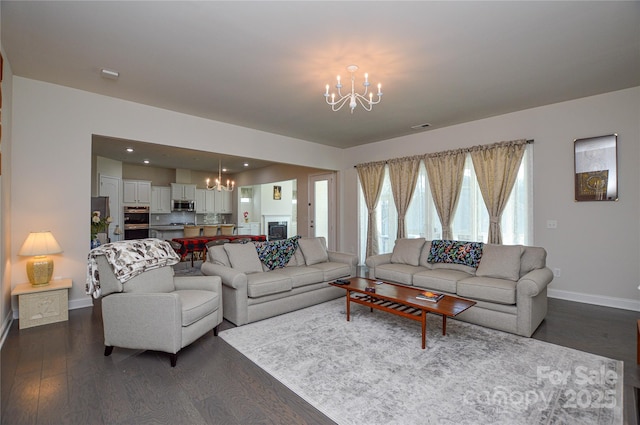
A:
(457, 267)
(302, 276)
(401, 273)
(197, 304)
(297, 259)
(445, 280)
(332, 270)
(314, 250)
(277, 254)
(500, 262)
(533, 257)
(217, 255)
(407, 251)
(243, 257)
(424, 256)
(155, 280)
(267, 283)
(488, 289)
(455, 252)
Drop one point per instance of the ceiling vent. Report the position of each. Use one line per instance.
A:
(109, 74)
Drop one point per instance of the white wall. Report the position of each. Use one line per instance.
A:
(596, 244)
(5, 200)
(282, 206)
(52, 130)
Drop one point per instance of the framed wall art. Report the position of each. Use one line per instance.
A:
(596, 168)
(277, 193)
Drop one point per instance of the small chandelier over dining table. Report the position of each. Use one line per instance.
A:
(353, 97)
(219, 186)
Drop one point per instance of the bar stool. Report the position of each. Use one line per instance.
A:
(227, 229)
(192, 232)
(210, 230)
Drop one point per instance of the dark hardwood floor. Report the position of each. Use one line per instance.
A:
(57, 374)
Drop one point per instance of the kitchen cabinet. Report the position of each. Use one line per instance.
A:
(183, 192)
(252, 228)
(223, 202)
(205, 201)
(160, 199)
(136, 192)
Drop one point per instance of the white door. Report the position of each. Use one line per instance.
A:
(322, 208)
(110, 186)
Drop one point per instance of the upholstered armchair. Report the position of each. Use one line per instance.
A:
(156, 310)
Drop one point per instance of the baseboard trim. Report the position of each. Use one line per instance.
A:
(622, 303)
(81, 303)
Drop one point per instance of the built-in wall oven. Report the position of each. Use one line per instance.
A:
(136, 222)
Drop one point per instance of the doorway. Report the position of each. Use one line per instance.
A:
(322, 208)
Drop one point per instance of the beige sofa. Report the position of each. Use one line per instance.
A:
(251, 291)
(508, 282)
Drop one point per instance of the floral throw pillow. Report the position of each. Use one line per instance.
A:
(276, 254)
(456, 252)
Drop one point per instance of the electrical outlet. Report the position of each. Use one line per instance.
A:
(552, 224)
(557, 272)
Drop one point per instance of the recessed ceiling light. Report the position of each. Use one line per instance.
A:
(420, 126)
(246, 164)
(224, 170)
(129, 150)
(146, 161)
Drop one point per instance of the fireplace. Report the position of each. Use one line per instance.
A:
(277, 230)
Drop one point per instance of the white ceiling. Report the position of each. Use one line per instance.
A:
(264, 65)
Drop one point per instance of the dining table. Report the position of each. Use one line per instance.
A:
(198, 244)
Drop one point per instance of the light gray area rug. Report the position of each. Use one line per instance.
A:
(372, 370)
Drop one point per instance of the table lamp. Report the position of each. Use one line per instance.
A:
(40, 267)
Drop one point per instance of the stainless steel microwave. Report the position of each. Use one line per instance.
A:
(183, 205)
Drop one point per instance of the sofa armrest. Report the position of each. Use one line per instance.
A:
(345, 258)
(152, 321)
(235, 297)
(534, 282)
(230, 277)
(206, 283)
(376, 260)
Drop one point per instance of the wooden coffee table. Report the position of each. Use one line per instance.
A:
(401, 300)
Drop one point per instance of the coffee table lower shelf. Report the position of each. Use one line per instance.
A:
(400, 300)
(398, 309)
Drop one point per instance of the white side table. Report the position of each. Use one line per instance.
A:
(41, 305)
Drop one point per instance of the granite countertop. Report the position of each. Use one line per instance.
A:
(166, 227)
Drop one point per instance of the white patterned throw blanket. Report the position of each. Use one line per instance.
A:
(129, 259)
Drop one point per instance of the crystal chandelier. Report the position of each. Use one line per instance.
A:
(218, 186)
(366, 102)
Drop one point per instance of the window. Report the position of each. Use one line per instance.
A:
(471, 219)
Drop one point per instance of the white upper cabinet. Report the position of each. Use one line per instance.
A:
(223, 202)
(136, 192)
(205, 201)
(183, 192)
(160, 199)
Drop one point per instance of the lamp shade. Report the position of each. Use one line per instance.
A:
(38, 245)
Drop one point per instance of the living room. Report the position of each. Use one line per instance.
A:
(46, 148)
